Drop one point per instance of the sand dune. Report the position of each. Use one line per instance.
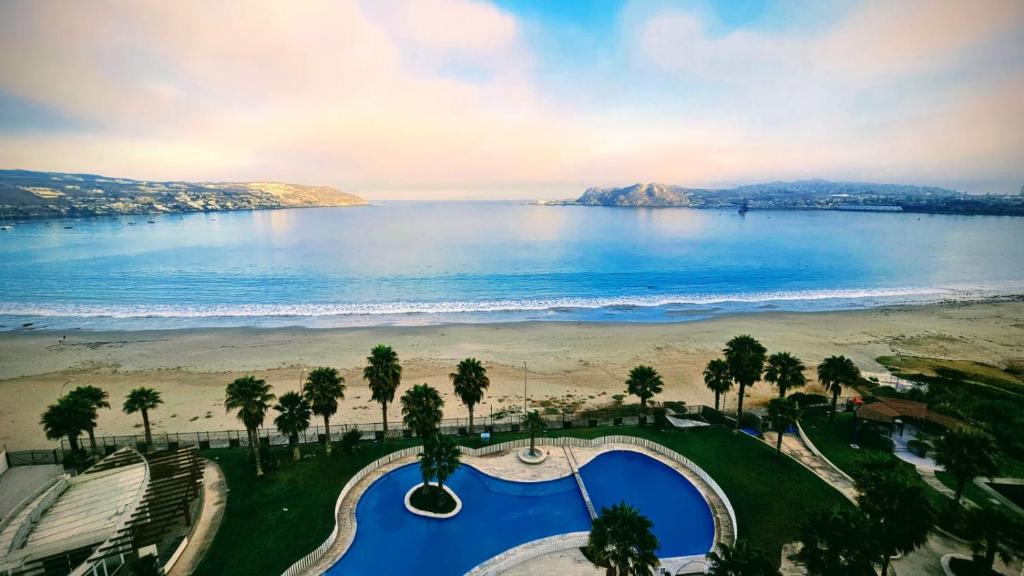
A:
(587, 361)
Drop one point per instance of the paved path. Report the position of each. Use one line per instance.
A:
(214, 499)
(793, 446)
(566, 563)
(925, 561)
(20, 482)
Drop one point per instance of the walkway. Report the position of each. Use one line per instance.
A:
(20, 482)
(796, 448)
(215, 497)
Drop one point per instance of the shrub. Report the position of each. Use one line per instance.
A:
(350, 441)
(806, 400)
(660, 419)
(920, 447)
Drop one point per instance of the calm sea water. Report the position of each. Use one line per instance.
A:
(418, 263)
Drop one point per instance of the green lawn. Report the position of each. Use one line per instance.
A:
(833, 440)
(271, 522)
(972, 491)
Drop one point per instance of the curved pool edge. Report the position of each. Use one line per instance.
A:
(337, 543)
(528, 551)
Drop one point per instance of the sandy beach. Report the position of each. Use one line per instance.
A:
(568, 363)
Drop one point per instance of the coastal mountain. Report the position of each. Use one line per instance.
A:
(636, 195)
(795, 193)
(26, 194)
(805, 195)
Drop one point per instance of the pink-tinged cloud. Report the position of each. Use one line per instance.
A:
(454, 97)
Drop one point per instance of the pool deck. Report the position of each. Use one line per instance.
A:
(507, 466)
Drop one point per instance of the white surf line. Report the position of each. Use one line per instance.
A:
(579, 481)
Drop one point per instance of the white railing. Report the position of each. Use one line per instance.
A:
(315, 556)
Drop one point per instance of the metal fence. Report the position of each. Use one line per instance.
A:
(370, 431)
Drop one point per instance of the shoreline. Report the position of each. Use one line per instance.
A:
(568, 363)
(306, 322)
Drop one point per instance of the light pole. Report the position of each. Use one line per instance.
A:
(524, 388)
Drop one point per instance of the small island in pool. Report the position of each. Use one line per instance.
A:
(432, 499)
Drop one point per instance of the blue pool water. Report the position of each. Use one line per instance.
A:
(425, 263)
(681, 517)
(499, 514)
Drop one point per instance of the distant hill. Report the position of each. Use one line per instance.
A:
(26, 194)
(788, 192)
(805, 195)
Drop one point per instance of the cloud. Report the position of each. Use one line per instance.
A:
(454, 95)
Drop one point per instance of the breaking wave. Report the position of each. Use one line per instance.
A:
(786, 300)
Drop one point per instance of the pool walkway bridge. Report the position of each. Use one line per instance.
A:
(575, 467)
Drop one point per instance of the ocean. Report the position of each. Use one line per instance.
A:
(408, 263)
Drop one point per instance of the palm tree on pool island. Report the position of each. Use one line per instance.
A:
(835, 372)
(293, 417)
(717, 378)
(785, 371)
(644, 382)
(745, 357)
(440, 458)
(383, 373)
(622, 541)
(69, 417)
(143, 400)
(534, 424)
(251, 396)
(97, 398)
(783, 413)
(966, 455)
(421, 410)
(324, 387)
(739, 560)
(470, 380)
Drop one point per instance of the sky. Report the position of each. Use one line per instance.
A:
(449, 99)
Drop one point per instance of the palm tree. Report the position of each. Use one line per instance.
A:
(622, 541)
(470, 380)
(835, 372)
(251, 396)
(534, 424)
(383, 373)
(745, 357)
(70, 416)
(783, 413)
(439, 459)
(324, 387)
(421, 409)
(97, 398)
(717, 378)
(966, 455)
(143, 400)
(294, 417)
(644, 382)
(785, 371)
(898, 512)
(836, 542)
(990, 527)
(739, 560)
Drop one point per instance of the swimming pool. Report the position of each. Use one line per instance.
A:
(500, 514)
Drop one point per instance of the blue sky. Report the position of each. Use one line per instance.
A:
(536, 98)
